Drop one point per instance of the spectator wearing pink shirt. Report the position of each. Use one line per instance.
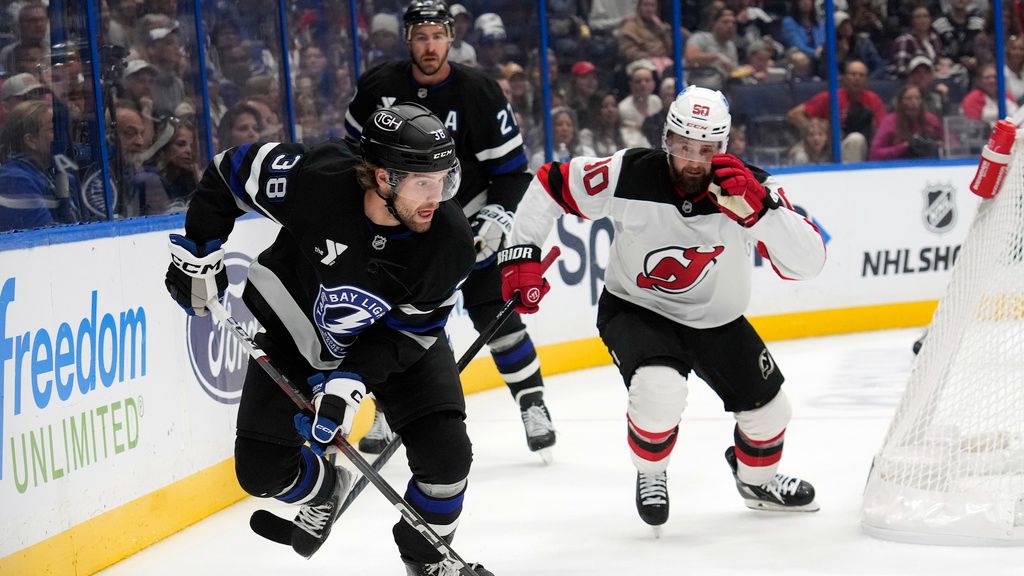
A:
(909, 131)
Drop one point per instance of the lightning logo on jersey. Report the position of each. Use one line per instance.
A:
(676, 270)
(343, 312)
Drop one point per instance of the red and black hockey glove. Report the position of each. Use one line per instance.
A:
(523, 273)
(736, 191)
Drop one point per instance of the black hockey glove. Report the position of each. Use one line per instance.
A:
(336, 398)
(923, 146)
(490, 227)
(196, 273)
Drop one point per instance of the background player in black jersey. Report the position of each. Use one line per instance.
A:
(494, 177)
(353, 296)
(677, 285)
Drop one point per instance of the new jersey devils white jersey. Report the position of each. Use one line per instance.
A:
(677, 256)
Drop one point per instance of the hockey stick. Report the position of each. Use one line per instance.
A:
(411, 516)
(277, 529)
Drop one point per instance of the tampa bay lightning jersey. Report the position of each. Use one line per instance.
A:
(476, 113)
(350, 294)
(677, 256)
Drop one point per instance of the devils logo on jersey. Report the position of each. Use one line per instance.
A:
(677, 270)
(342, 312)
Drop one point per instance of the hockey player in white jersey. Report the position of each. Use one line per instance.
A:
(677, 284)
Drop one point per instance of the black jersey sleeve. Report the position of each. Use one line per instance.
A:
(261, 177)
(365, 100)
(496, 143)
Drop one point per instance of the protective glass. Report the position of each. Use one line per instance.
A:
(689, 149)
(426, 186)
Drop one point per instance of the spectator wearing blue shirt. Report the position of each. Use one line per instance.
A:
(803, 29)
(30, 195)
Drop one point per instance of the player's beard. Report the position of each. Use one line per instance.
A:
(691, 184)
(430, 68)
(409, 218)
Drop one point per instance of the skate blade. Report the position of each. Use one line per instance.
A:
(769, 507)
(546, 455)
(657, 532)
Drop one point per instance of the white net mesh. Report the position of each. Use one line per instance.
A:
(951, 469)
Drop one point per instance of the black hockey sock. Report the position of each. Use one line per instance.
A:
(758, 453)
(520, 368)
(650, 446)
(442, 514)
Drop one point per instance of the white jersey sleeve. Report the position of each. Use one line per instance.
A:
(584, 186)
(791, 243)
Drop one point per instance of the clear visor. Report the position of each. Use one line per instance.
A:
(426, 186)
(689, 149)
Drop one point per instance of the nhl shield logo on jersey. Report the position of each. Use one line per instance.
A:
(939, 207)
(677, 270)
(341, 313)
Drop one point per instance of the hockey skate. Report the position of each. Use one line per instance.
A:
(780, 494)
(379, 436)
(314, 521)
(652, 499)
(540, 432)
(445, 567)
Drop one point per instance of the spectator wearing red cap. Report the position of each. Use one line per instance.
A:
(583, 94)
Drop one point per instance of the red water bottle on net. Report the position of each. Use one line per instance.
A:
(995, 160)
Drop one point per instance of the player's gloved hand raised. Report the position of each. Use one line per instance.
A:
(736, 191)
(336, 398)
(196, 273)
(490, 226)
(522, 274)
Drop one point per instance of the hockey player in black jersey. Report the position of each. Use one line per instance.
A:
(676, 287)
(494, 177)
(353, 296)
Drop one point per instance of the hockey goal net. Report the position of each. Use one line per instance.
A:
(951, 468)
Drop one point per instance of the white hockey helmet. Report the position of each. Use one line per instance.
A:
(700, 114)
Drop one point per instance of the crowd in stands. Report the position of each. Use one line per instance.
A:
(918, 80)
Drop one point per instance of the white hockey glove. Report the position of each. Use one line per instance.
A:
(196, 273)
(490, 226)
(336, 398)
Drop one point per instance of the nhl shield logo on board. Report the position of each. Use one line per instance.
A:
(939, 207)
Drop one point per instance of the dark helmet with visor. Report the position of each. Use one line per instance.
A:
(427, 12)
(408, 139)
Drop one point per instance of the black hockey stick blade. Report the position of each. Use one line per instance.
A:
(272, 527)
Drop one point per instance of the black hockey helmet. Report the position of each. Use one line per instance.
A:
(427, 12)
(407, 138)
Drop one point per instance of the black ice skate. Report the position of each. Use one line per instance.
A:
(379, 436)
(540, 432)
(443, 568)
(652, 498)
(314, 521)
(780, 494)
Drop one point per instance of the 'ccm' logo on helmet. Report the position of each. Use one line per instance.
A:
(443, 154)
(386, 121)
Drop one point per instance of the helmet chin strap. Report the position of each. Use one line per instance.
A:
(389, 203)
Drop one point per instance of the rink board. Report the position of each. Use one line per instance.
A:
(117, 412)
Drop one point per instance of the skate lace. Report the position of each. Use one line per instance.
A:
(380, 429)
(653, 488)
(782, 486)
(536, 421)
(312, 519)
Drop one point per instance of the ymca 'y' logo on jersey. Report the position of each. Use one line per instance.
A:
(341, 313)
(677, 270)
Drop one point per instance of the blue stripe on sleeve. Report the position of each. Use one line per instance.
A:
(511, 165)
(414, 328)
